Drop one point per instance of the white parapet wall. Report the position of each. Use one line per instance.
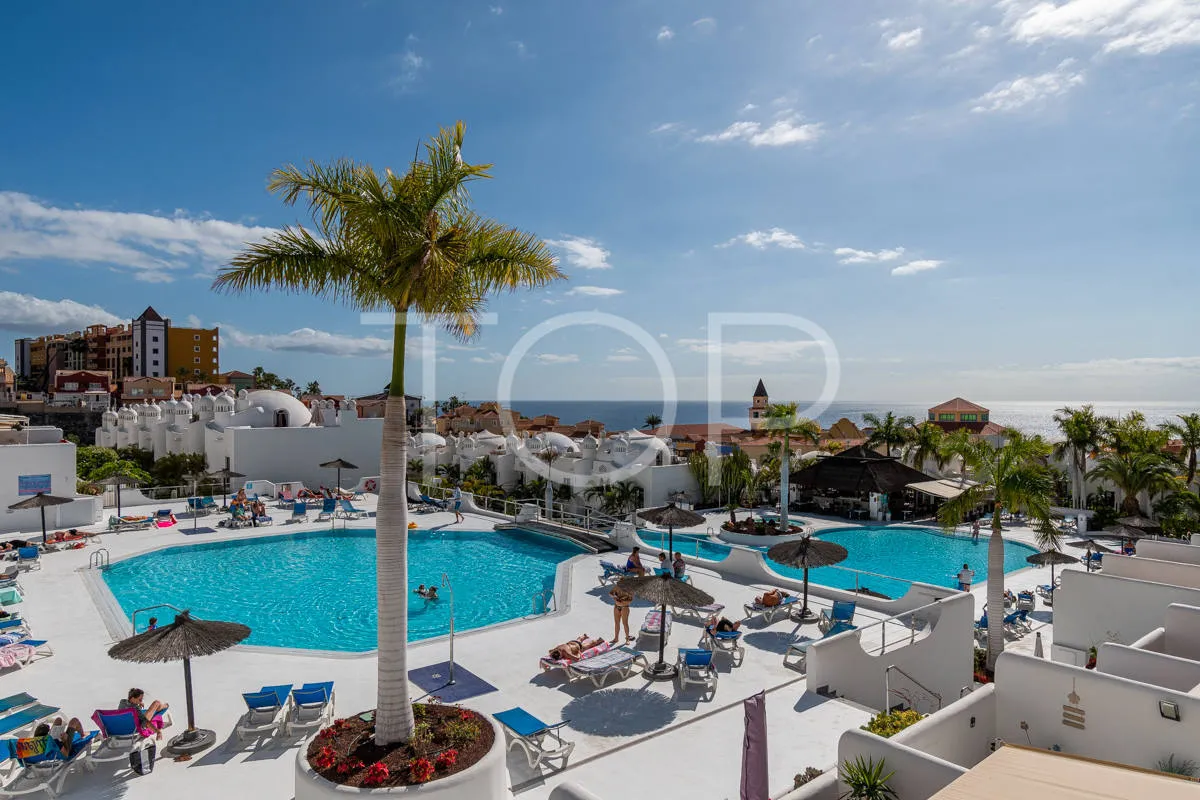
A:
(942, 661)
(1167, 551)
(1040, 703)
(1182, 631)
(1145, 666)
(1095, 607)
(918, 775)
(961, 733)
(1152, 569)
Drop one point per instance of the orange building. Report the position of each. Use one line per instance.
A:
(193, 351)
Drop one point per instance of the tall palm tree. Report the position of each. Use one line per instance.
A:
(313, 387)
(1130, 434)
(699, 468)
(1083, 433)
(889, 430)
(1134, 473)
(396, 242)
(925, 443)
(1015, 477)
(1188, 431)
(960, 445)
(548, 456)
(652, 421)
(783, 423)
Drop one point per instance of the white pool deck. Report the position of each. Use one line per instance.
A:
(634, 738)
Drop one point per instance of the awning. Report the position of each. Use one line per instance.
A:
(945, 488)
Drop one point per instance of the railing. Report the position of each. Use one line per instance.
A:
(887, 687)
(98, 559)
(133, 617)
(547, 599)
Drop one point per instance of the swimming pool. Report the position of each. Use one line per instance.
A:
(316, 590)
(922, 555)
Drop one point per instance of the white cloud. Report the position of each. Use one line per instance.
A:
(665, 34)
(788, 130)
(848, 255)
(29, 314)
(192, 321)
(522, 50)
(582, 252)
(1105, 367)
(913, 267)
(1029, 89)
(1147, 27)
(761, 240)
(152, 246)
(904, 40)
(748, 107)
(705, 24)
(409, 69)
(750, 352)
(557, 358)
(309, 340)
(666, 127)
(595, 291)
(490, 358)
(497, 10)
(813, 40)
(623, 355)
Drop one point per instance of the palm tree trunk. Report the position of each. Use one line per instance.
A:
(995, 591)
(783, 485)
(393, 714)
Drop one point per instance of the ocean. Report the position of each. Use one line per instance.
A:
(1027, 417)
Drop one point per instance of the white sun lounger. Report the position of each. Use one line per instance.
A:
(702, 613)
(654, 626)
(770, 612)
(620, 661)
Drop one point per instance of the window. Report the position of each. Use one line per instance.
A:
(195, 361)
(932, 416)
(136, 392)
(154, 338)
(154, 351)
(945, 417)
(70, 386)
(196, 338)
(154, 363)
(983, 418)
(196, 349)
(756, 415)
(968, 417)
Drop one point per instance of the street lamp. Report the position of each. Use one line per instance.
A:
(446, 585)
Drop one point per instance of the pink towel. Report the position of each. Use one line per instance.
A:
(554, 663)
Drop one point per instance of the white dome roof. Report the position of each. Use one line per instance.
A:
(564, 443)
(263, 405)
(426, 439)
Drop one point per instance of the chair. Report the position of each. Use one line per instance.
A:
(264, 710)
(29, 558)
(347, 510)
(532, 735)
(20, 653)
(440, 504)
(285, 498)
(547, 664)
(299, 512)
(311, 707)
(619, 661)
(800, 646)
(654, 624)
(1026, 600)
(981, 629)
(44, 766)
(1015, 623)
(328, 507)
(842, 611)
(696, 666)
(208, 502)
(613, 573)
(238, 518)
(120, 734)
(769, 612)
(14, 625)
(724, 642)
(15, 701)
(26, 718)
(701, 613)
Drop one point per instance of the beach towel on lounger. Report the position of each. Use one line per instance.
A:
(555, 663)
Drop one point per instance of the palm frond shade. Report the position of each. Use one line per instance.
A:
(186, 637)
(663, 591)
(41, 501)
(672, 516)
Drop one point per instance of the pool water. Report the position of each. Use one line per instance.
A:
(908, 555)
(316, 590)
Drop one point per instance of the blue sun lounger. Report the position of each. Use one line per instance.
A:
(800, 647)
(620, 661)
(328, 509)
(842, 611)
(311, 707)
(696, 666)
(26, 717)
(725, 642)
(532, 735)
(47, 767)
(299, 512)
(346, 510)
(613, 573)
(264, 710)
(15, 701)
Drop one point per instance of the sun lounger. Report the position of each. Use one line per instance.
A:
(769, 613)
(981, 629)
(285, 498)
(696, 666)
(547, 664)
(619, 661)
(311, 708)
(299, 512)
(439, 504)
(702, 613)
(328, 507)
(613, 573)
(43, 765)
(724, 642)
(1016, 624)
(842, 611)
(120, 734)
(13, 625)
(541, 742)
(20, 653)
(15, 701)
(264, 710)
(655, 626)
(346, 510)
(28, 558)
(799, 648)
(26, 718)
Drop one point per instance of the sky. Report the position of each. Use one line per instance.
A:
(888, 199)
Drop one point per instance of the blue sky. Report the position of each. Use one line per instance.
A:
(992, 198)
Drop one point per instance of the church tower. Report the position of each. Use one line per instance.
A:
(758, 407)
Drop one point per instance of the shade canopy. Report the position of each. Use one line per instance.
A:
(1138, 521)
(807, 552)
(41, 500)
(672, 516)
(858, 471)
(1127, 532)
(186, 637)
(116, 480)
(224, 474)
(664, 590)
(339, 463)
(1050, 557)
(1092, 543)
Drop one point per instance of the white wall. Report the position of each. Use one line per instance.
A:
(960, 733)
(294, 454)
(941, 661)
(1156, 669)
(1182, 631)
(1121, 717)
(917, 775)
(1090, 608)
(1149, 569)
(56, 460)
(1167, 551)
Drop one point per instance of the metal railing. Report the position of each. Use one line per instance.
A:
(547, 600)
(98, 559)
(887, 687)
(133, 617)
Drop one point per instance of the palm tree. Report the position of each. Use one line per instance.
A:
(782, 423)
(1013, 476)
(549, 455)
(1188, 431)
(698, 466)
(1134, 473)
(925, 443)
(399, 243)
(960, 445)
(735, 468)
(889, 431)
(313, 387)
(652, 421)
(1129, 434)
(1083, 433)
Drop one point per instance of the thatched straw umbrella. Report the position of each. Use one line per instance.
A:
(184, 639)
(807, 553)
(224, 474)
(118, 480)
(663, 590)
(339, 464)
(40, 501)
(1051, 557)
(1144, 524)
(672, 516)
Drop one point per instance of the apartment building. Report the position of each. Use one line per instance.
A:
(193, 351)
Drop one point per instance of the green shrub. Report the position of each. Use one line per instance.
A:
(1184, 766)
(809, 774)
(889, 723)
(461, 732)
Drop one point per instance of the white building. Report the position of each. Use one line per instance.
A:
(150, 344)
(37, 458)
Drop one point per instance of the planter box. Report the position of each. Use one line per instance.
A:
(756, 541)
(486, 780)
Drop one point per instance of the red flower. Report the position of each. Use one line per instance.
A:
(463, 714)
(377, 773)
(420, 770)
(349, 765)
(325, 758)
(447, 759)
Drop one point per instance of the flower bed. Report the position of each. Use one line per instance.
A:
(755, 527)
(448, 739)
(889, 723)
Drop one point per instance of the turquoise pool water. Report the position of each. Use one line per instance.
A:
(922, 555)
(316, 590)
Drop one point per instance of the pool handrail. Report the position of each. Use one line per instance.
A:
(133, 616)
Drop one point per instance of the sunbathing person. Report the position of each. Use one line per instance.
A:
(136, 699)
(679, 565)
(67, 736)
(634, 562)
(774, 597)
(570, 651)
(721, 625)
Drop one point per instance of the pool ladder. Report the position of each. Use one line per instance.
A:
(546, 598)
(98, 559)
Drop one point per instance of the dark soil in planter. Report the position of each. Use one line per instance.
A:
(440, 730)
(758, 529)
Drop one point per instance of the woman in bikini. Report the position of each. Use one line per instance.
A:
(621, 603)
(570, 651)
